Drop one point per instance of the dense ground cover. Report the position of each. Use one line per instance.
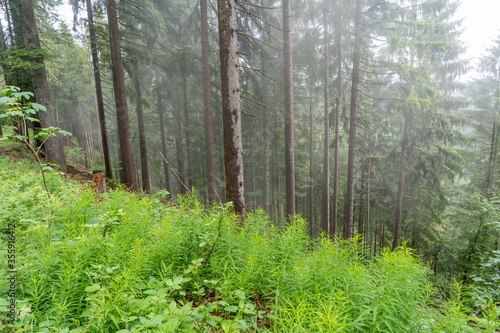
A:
(123, 262)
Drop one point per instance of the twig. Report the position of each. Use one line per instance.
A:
(486, 308)
(175, 175)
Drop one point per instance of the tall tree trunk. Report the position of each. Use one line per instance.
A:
(349, 207)
(490, 170)
(233, 148)
(311, 173)
(3, 49)
(53, 145)
(159, 105)
(337, 132)
(288, 81)
(186, 128)
(207, 104)
(126, 149)
(146, 186)
(401, 181)
(361, 199)
(98, 92)
(178, 145)
(16, 12)
(326, 143)
(9, 22)
(266, 140)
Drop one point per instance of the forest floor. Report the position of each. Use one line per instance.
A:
(122, 262)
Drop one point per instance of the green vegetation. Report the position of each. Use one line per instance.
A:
(122, 262)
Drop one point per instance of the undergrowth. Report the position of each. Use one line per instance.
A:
(121, 262)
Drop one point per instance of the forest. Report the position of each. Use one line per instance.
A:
(273, 166)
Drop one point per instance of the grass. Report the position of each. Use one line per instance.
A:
(122, 262)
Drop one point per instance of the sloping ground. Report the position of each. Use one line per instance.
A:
(118, 262)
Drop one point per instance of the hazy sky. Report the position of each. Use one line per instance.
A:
(481, 24)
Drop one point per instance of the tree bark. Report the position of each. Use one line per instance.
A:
(178, 145)
(311, 166)
(334, 230)
(126, 149)
(207, 103)
(349, 210)
(401, 181)
(98, 93)
(186, 128)
(16, 11)
(146, 186)
(361, 199)
(288, 103)
(233, 148)
(266, 144)
(326, 143)
(53, 145)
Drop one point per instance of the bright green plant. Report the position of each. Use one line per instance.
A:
(19, 110)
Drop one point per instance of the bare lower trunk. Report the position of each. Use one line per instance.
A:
(289, 132)
(98, 93)
(159, 105)
(334, 230)
(233, 149)
(311, 174)
(146, 186)
(126, 149)
(207, 103)
(326, 143)
(349, 207)
(187, 125)
(401, 181)
(361, 199)
(53, 146)
(178, 145)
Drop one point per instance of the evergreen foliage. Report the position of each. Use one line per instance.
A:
(122, 262)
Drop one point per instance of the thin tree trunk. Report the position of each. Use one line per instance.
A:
(126, 149)
(311, 165)
(98, 93)
(186, 129)
(382, 236)
(337, 134)
(53, 145)
(9, 22)
(349, 210)
(207, 103)
(146, 186)
(266, 139)
(490, 170)
(367, 229)
(288, 81)
(16, 10)
(233, 148)
(159, 105)
(252, 175)
(178, 145)
(401, 181)
(326, 143)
